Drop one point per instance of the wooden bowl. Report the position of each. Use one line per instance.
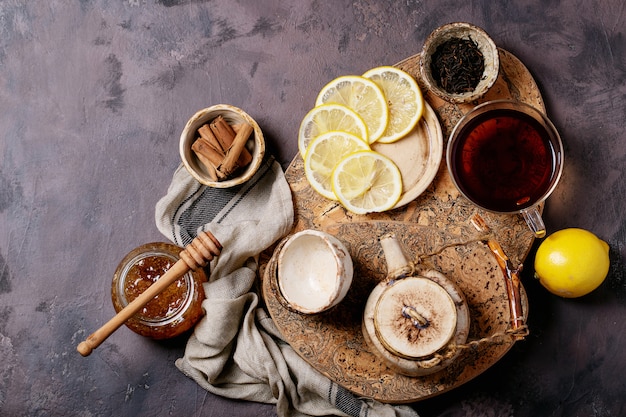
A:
(485, 45)
(232, 115)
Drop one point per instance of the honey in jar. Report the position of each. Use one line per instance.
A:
(174, 311)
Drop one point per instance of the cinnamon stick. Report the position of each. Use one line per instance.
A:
(211, 170)
(245, 157)
(234, 153)
(221, 148)
(209, 156)
(225, 134)
(203, 147)
(207, 134)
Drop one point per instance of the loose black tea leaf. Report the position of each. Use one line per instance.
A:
(457, 65)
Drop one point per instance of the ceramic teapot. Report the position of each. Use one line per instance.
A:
(414, 320)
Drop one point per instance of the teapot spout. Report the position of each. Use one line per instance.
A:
(394, 255)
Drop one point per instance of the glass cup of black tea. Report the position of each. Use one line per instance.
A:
(506, 157)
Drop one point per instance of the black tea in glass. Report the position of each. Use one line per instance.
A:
(504, 160)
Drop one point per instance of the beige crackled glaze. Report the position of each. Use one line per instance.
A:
(403, 346)
(314, 271)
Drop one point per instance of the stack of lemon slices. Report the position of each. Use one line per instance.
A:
(352, 112)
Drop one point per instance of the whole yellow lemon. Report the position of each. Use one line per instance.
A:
(572, 262)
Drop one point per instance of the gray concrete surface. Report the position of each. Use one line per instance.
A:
(94, 94)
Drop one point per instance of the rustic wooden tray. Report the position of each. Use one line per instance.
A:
(434, 227)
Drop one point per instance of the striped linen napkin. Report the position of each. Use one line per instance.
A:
(236, 350)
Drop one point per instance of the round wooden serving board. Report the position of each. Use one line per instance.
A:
(435, 227)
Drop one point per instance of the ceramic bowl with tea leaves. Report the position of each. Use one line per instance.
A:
(459, 62)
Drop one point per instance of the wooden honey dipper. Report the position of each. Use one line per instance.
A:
(196, 255)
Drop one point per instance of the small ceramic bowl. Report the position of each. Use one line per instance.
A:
(232, 115)
(485, 45)
(314, 271)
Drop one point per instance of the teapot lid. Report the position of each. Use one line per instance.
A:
(415, 317)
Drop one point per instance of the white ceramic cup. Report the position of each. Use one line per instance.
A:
(314, 271)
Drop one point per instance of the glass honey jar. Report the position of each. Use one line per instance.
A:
(173, 312)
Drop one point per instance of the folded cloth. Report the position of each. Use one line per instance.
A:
(236, 350)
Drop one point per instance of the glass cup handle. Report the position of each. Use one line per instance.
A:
(534, 221)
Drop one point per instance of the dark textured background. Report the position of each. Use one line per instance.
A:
(94, 94)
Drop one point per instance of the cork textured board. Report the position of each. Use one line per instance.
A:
(434, 229)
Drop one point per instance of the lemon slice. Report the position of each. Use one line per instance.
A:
(326, 118)
(323, 153)
(366, 182)
(361, 95)
(404, 100)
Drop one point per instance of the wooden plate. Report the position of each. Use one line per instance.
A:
(418, 155)
(434, 227)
